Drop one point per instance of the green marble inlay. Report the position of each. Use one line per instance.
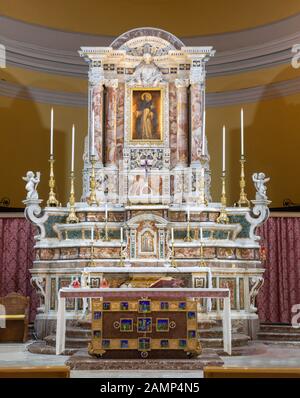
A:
(75, 234)
(50, 233)
(241, 219)
(179, 234)
(220, 234)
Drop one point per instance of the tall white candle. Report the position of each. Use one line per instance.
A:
(188, 214)
(106, 212)
(51, 132)
(201, 233)
(93, 133)
(92, 232)
(172, 234)
(224, 150)
(242, 132)
(73, 148)
(203, 133)
(122, 234)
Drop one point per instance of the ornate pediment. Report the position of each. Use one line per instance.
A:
(146, 74)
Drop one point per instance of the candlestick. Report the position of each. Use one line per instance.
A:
(188, 214)
(92, 199)
(188, 237)
(223, 218)
(106, 237)
(243, 201)
(72, 218)
(203, 134)
(51, 132)
(242, 132)
(201, 233)
(93, 133)
(73, 148)
(52, 201)
(224, 150)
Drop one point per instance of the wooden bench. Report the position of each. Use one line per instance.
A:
(59, 372)
(222, 372)
(16, 318)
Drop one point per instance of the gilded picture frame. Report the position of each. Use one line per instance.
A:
(146, 115)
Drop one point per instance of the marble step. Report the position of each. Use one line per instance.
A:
(78, 332)
(238, 339)
(215, 332)
(278, 328)
(283, 343)
(70, 342)
(283, 336)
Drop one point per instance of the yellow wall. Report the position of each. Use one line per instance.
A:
(271, 129)
(24, 132)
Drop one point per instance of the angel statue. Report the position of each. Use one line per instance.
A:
(32, 183)
(260, 180)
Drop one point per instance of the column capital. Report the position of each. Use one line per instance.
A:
(95, 75)
(197, 72)
(182, 83)
(113, 83)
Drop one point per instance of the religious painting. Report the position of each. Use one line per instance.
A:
(146, 115)
(162, 325)
(144, 306)
(147, 242)
(126, 325)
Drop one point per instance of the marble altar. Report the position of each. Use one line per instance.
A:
(153, 222)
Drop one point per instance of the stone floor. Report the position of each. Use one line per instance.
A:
(266, 356)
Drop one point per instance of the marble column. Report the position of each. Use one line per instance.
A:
(97, 107)
(111, 124)
(182, 121)
(196, 122)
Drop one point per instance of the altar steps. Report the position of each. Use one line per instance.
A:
(279, 334)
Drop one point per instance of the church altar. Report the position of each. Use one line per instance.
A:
(146, 218)
(137, 293)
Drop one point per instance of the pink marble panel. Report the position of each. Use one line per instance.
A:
(111, 126)
(196, 122)
(173, 123)
(97, 106)
(120, 120)
(182, 125)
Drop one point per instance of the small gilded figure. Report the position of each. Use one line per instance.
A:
(32, 183)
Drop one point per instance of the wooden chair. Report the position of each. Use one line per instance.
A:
(223, 372)
(16, 318)
(58, 372)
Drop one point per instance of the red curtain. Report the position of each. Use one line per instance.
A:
(16, 258)
(281, 289)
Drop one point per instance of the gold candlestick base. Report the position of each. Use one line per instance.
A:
(93, 255)
(223, 218)
(52, 201)
(106, 236)
(202, 262)
(72, 218)
(92, 199)
(173, 262)
(188, 237)
(243, 201)
(122, 256)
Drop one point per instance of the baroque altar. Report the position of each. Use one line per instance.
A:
(146, 217)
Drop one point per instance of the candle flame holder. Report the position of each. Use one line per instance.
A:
(92, 199)
(223, 218)
(72, 218)
(52, 201)
(243, 201)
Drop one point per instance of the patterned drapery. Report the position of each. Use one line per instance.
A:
(281, 289)
(16, 257)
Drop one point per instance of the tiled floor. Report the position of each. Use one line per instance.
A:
(270, 356)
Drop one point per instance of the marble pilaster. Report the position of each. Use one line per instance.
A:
(182, 122)
(111, 124)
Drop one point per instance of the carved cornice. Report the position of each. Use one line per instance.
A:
(28, 47)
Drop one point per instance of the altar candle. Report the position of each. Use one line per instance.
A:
(188, 214)
(122, 234)
(73, 147)
(224, 147)
(201, 233)
(242, 132)
(51, 133)
(93, 133)
(172, 234)
(92, 233)
(203, 134)
(106, 212)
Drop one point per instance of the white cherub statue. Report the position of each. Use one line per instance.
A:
(32, 183)
(260, 180)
